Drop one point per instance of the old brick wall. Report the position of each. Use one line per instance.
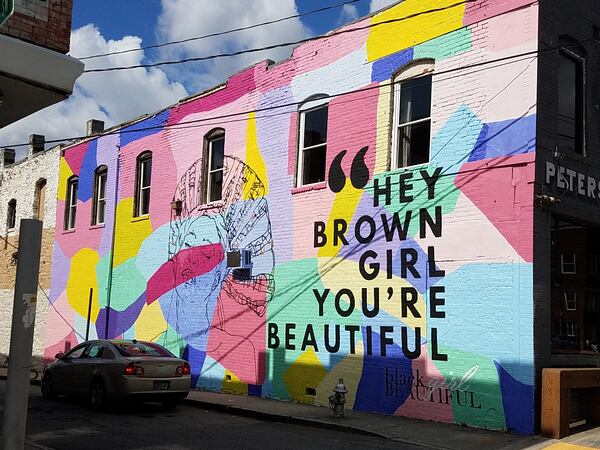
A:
(45, 23)
(18, 181)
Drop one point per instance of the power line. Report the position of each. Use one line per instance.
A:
(458, 70)
(284, 44)
(221, 33)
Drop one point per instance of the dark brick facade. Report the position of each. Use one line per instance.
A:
(53, 33)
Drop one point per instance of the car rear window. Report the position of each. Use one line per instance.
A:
(142, 349)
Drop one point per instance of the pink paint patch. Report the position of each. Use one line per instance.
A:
(502, 188)
(346, 133)
(485, 9)
(186, 265)
(237, 338)
(74, 157)
(61, 346)
(237, 86)
(419, 405)
(82, 236)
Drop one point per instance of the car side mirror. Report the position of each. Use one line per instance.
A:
(60, 355)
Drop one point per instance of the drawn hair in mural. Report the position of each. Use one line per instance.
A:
(201, 236)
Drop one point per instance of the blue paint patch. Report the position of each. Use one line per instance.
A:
(211, 375)
(517, 399)
(380, 389)
(119, 321)
(423, 283)
(196, 359)
(255, 390)
(384, 68)
(505, 138)
(146, 127)
(452, 145)
(85, 188)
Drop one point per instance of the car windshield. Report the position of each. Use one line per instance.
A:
(141, 349)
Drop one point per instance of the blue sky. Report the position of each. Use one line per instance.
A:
(114, 25)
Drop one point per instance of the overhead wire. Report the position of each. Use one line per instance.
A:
(283, 44)
(196, 123)
(220, 33)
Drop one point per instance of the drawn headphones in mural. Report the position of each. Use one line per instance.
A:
(359, 172)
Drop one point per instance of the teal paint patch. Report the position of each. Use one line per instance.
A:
(445, 46)
(128, 284)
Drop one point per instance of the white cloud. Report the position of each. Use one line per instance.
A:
(348, 14)
(376, 5)
(114, 97)
(181, 19)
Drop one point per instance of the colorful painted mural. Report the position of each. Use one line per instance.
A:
(414, 285)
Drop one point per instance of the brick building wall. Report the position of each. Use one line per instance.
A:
(18, 182)
(573, 26)
(46, 23)
(443, 332)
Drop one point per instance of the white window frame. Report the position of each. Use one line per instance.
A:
(414, 71)
(309, 106)
(140, 188)
(571, 329)
(211, 138)
(562, 264)
(567, 300)
(71, 203)
(101, 173)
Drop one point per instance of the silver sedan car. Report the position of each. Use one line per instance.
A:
(108, 370)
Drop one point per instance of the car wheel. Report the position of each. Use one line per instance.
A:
(98, 395)
(48, 391)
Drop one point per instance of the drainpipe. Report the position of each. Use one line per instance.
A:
(112, 242)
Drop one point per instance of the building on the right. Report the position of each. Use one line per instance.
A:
(566, 244)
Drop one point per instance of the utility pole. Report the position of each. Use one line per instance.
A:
(21, 336)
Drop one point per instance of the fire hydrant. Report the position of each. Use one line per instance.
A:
(338, 399)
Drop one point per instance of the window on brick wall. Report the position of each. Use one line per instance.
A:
(312, 145)
(571, 104)
(143, 180)
(71, 203)
(11, 215)
(39, 199)
(99, 204)
(411, 134)
(214, 154)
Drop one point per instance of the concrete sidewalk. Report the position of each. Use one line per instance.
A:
(399, 429)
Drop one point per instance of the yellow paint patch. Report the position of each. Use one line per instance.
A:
(130, 233)
(64, 173)
(233, 385)
(350, 370)
(390, 38)
(254, 159)
(344, 206)
(565, 446)
(382, 143)
(151, 323)
(331, 268)
(82, 277)
(305, 372)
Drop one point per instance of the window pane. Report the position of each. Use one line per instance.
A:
(414, 144)
(100, 215)
(314, 165)
(569, 115)
(315, 127)
(102, 185)
(215, 186)
(146, 171)
(145, 202)
(415, 99)
(217, 150)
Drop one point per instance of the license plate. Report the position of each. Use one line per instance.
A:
(161, 385)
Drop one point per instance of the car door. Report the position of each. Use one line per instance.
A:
(90, 363)
(63, 374)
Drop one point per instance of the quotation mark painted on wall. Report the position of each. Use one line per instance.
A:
(359, 172)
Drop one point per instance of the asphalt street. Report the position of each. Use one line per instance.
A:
(70, 424)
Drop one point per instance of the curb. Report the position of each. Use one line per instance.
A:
(296, 420)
